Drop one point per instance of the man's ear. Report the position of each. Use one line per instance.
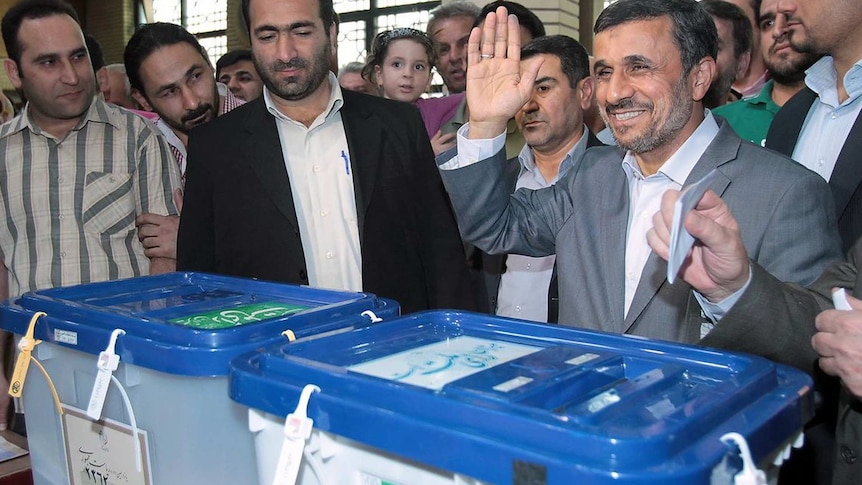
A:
(142, 100)
(742, 65)
(333, 37)
(11, 68)
(104, 82)
(585, 92)
(701, 77)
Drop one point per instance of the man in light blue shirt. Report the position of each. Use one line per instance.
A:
(819, 126)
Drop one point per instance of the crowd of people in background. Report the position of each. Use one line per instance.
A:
(539, 184)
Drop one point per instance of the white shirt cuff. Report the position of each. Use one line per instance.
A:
(715, 311)
(472, 151)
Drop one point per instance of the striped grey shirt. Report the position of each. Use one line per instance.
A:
(69, 206)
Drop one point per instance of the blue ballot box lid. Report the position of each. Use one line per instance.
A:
(186, 323)
(487, 396)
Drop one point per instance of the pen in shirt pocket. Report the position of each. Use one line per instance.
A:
(346, 162)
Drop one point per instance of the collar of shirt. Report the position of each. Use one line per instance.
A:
(528, 162)
(96, 113)
(764, 96)
(680, 164)
(822, 78)
(228, 100)
(754, 88)
(336, 101)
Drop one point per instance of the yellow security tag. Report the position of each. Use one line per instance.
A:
(289, 334)
(22, 364)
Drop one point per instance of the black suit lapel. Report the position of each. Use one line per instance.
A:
(263, 146)
(364, 139)
(787, 125)
(592, 141)
(847, 174)
(784, 134)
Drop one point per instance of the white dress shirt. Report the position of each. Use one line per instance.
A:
(321, 181)
(645, 197)
(524, 285)
(829, 121)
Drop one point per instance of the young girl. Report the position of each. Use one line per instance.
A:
(400, 65)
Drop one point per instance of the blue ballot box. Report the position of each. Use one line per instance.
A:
(164, 416)
(447, 397)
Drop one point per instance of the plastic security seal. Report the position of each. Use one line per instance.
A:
(107, 364)
(839, 300)
(297, 429)
(26, 345)
(750, 474)
(374, 318)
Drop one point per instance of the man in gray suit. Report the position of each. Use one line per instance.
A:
(780, 321)
(654, 61)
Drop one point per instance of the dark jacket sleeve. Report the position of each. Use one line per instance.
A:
(195, 240)
(776, 320)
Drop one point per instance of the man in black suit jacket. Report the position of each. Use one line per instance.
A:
(240, 213)
(839, 35)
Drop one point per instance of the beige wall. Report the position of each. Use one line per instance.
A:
(236, 36)
(112, 23)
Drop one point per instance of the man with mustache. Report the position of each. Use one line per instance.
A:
(236, 70)
(654, 61)
(312, 184)
(449, 27)
(751, 117)
(552, 123)
(171, 75)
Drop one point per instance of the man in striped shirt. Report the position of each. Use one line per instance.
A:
(74, 171)
(171, 74)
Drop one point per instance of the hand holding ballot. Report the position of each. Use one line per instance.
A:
(717, 264)
(838, 342)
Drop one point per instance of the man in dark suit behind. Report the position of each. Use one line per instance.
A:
(313, 185)
(820, 127)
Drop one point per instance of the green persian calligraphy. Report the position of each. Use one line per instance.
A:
(240, 315)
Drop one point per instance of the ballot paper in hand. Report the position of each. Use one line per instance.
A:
(680, 240)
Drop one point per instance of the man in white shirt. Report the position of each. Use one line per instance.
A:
(312, 184)
(654, 61)
(552, 122)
